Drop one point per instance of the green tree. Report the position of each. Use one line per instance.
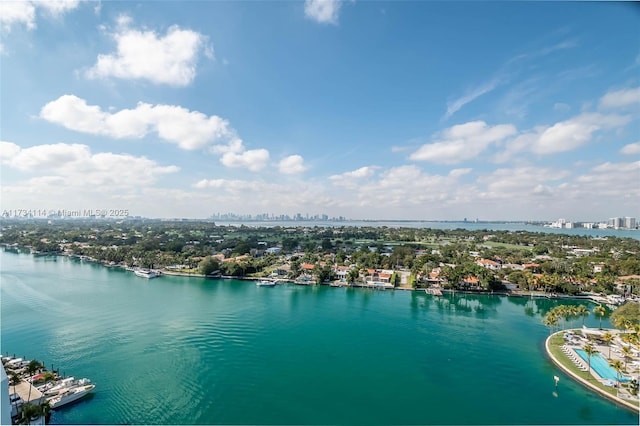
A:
(209, 266)
(627, 354)
(353, 275)
(32, 368)
(550, 320)
(583, 312)
(14, 381)
(627, 314)
(590, 350)
(599, 311)
(607, 338)
(30, 412)
(616, 364)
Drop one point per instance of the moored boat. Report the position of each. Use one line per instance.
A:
(146, 273)
(266, 283)
(69, 396)
(60, 386)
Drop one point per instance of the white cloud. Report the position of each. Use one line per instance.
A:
(293, 164)
(459, 172)
(57, 7)
(8, 150)
(17, 12)
(23, 12)
(143, 54)
(519, 182)
(471, 95)
(610, 184)
(621, 98)
(323, 11)
(563, 136)
(253, 159)
(75, 166)
(631, 149)
(462, 142)
(188, 129)
(353, 178)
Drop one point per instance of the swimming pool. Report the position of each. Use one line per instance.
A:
(601, 366)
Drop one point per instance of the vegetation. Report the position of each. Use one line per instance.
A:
(564, 313)
(626, 316)
(532, 261)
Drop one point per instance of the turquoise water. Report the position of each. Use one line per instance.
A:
(601, 366)
(179, 350)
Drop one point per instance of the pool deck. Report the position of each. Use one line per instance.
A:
(633, 405)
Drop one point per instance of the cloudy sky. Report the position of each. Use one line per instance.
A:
(376, 110)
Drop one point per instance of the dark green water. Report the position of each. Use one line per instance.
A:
(192, 351)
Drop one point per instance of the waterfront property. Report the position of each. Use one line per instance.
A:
(584, 360)
(178, 348)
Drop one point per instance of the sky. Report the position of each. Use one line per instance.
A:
(416, 110)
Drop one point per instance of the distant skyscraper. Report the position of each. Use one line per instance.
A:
(630, 222)
(616, 222)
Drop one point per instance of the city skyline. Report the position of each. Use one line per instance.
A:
(369, 110)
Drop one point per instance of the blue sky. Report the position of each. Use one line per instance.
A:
(376, 110)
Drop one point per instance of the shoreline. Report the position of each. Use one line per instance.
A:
(519, 294)
(619, 401)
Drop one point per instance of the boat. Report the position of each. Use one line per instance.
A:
(434, 291)
(57, 388)
(69, 396)
(60, 386)
(265, 283)
(146, 273)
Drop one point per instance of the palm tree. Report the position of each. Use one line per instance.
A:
(572, 312)
(627, 354)
(550, 320)
(607, 338)
(599, 311)
(15, 381)
(589, 349)
(616, 364)
(33, 366)
(583, 312)
(30, 412)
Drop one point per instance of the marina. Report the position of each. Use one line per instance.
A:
(33, 391)
(154, 347)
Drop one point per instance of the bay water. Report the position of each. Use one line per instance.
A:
(178, 350)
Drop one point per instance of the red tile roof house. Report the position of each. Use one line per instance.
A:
(307, 267)
(471, 282)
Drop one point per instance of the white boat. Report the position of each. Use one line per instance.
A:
(60, 386)
(265, 283)
(65, 385)
(434, 291)
(146, 273)
(70, 395)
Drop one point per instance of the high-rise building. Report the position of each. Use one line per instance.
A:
(616, 222)
(630, 222)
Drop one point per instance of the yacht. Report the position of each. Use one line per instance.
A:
(265, 283)
(69, 396)
(60, 386)
(146, 273)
